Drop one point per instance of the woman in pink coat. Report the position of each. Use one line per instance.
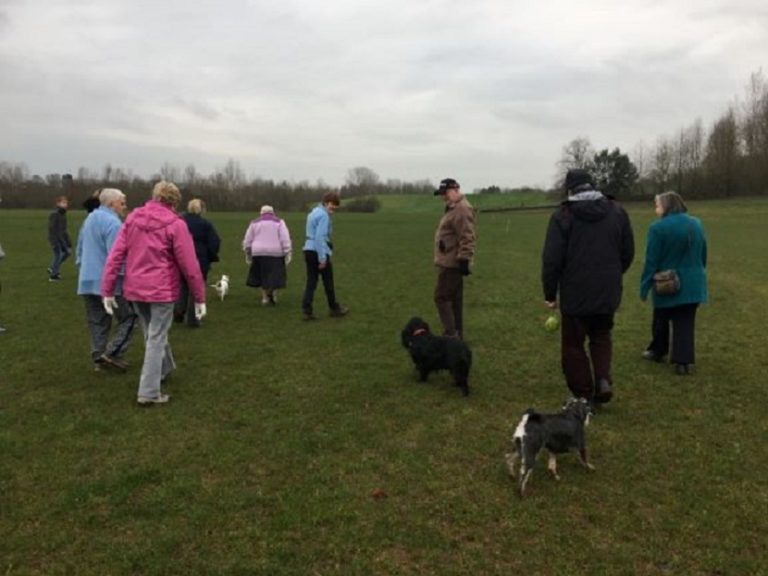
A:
(267, 247)
(156, 248)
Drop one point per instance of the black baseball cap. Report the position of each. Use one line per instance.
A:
(445, 185)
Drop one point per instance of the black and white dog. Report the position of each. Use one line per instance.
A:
(558, 433)
(431, 353)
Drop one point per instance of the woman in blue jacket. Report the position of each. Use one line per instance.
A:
(676, 241)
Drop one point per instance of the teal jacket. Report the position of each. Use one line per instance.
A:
(676, 241)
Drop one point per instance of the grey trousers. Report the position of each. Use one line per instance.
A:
(156, 319)
(99, 324)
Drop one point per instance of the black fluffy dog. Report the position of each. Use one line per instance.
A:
(431, 353)
(557, 433)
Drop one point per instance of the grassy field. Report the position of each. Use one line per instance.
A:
(294, 448)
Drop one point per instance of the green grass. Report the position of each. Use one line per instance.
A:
(280, 434)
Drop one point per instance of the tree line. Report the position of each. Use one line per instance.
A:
(226, 189)
(729, 158)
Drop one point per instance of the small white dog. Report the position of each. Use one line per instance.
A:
(222, 286)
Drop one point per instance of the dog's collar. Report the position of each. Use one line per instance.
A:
(419, 332)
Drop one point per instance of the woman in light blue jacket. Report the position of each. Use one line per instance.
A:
(675, 242)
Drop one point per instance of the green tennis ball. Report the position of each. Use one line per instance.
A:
(552, 323)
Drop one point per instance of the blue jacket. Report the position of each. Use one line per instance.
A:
(97, 234)
(676, 241)
(319, 231)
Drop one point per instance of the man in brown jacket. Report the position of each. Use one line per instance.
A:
(454, 249)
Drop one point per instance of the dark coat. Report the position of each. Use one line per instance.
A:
(57, 229)
(206, 240)
(589, 246)
(676, 241)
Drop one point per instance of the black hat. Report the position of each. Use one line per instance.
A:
(576, 177)
(445, 185)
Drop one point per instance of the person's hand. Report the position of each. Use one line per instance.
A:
(551, 304)
(464, 267)
(288, 258)
(110, 304)
(200, 310)
(248, 259)
(322, 265)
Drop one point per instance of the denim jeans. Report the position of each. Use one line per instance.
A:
(60, 253)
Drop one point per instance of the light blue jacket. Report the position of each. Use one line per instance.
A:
(319, 231)
(97, 234)
(676, 241)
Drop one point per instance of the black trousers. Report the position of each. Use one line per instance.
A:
(185, 305)
(683, 321)
(581, 370)
(313, 274)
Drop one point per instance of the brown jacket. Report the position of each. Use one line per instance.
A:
(455, 236)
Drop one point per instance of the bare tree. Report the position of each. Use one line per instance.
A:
(169, 172)
(755, 133)
(362, 181)
(578, 153)
(662, 164)
(723, 155)
(233, 175)
(191, 176)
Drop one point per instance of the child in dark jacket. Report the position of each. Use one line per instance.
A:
(58, 238)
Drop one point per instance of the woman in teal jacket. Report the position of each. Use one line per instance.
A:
(675, 241)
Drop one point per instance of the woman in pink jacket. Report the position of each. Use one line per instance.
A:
(267, 246)
(155, 247)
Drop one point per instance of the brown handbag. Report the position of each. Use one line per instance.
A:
(666, 283)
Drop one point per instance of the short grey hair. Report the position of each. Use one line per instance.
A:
(109, 195)
(671, 203)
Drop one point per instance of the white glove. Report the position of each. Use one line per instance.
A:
(248, 259)
(110, 304)
(288, 258)
(200, 310)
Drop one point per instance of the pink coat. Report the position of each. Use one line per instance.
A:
(267, 236)
(156, 247)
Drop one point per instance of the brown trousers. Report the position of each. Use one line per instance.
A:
(582, 370)
(449, 299)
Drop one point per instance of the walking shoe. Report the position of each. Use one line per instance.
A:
(112, 362)
(54, 277)
(652, 356)
(603, 391)
(308, 317)
(682, 369)
(264, 300)
(2, 329)
(162, 399)
(339, 311)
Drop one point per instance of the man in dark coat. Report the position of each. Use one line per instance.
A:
(589, 246)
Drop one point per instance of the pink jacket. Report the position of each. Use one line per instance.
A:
(267, 236)
(156, 247)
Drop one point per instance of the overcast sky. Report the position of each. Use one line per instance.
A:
(486, 91)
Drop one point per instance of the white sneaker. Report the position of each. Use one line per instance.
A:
(162, 399)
